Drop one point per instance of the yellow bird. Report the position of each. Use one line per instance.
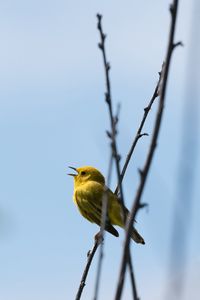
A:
(89, 188)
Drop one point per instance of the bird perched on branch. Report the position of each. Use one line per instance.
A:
(89, 192)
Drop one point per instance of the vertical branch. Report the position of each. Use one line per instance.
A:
(132, 277)
(113, 120)
(145, 170)
(102, 228)
(112, 134)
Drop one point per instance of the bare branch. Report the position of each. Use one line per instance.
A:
(102, 228)
(144, 173)
(113, 120)
(113, 133)
(114, 154)
(87, 267)
(138, 135)
(132, 277)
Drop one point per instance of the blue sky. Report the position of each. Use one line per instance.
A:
(53, 115)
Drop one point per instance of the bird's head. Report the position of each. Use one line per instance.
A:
(85, 174)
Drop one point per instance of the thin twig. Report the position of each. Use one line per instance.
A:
(132, 277)
(113, 133)
(87, 267)
(113, 120)
(145, 170)
(102, 228)
(138, 135)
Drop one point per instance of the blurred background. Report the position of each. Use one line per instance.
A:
(53, 114)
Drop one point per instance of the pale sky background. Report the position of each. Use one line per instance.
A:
(53, 114)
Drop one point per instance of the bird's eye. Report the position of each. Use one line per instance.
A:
(83, 173)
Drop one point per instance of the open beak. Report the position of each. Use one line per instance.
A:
(74, 170)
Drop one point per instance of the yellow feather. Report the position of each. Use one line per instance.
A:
(89, 189)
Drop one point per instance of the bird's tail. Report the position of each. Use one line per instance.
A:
(137, 237)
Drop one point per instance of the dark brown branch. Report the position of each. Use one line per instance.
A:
(108, 99)
(144, 173)
(90, 256)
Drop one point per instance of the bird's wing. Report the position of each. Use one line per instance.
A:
(90, 206)
(116, 210)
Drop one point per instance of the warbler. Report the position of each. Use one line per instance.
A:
(89, 191)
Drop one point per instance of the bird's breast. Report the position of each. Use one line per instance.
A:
(90, 191)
